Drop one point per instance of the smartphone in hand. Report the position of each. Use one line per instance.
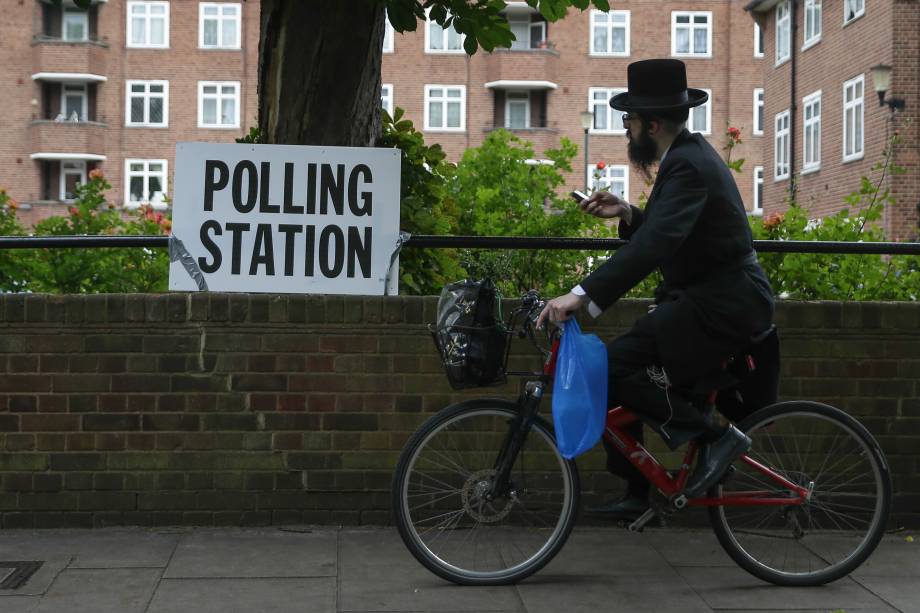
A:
(578, 196)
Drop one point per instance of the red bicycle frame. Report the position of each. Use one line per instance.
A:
(618, 418)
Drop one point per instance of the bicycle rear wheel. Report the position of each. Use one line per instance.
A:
(826, 537)
(443, 515)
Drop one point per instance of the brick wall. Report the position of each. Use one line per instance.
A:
(220, 409)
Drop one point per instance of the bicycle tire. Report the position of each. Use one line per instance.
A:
(768, 417)
(410, 535)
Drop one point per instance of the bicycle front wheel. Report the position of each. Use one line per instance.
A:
(444, 516)
(825, 538)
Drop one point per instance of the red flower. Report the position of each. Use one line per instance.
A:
(73, 210)
(601, 165)
(95, 173)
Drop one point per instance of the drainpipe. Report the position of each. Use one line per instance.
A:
(793, 24)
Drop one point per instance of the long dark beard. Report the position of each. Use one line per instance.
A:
(642, 152)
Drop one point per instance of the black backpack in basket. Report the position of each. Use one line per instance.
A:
(470, 335)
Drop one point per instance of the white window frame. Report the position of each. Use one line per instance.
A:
(757, 208)
(76, 15)
(63, 177)
(758, 116)
(858, 14)
(614, 117)
(692, 26)
(462, 99)
(782, 30)
(813, 9)
(758, 40)
(386, 97)
(610, 27)
(130, 20)
(220, 96)
(811, 133)
(84, 94)
(856, 103)
(708, 107)
(444, 38)
(146, 95)
(388, 34)
(220, 18)
(508, 110)
(128, 204)
(606, 181)
(781, 150)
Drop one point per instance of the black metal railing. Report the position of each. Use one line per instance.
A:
(476, 242)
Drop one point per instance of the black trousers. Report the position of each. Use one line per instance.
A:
(629, 358)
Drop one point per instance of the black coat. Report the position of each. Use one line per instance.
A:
(714, 296)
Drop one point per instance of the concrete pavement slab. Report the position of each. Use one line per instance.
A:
(900, 592)
(688, 547)
(733, 588)
(113, 590)
(576, 593)
(612, 551)
(110, 548)
(894, 557)
(267, 552)
(377, 573)
(315, 595)
(19, 604)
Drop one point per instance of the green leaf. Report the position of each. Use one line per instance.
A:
(470, 45)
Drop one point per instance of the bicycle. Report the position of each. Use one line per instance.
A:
(482, 496)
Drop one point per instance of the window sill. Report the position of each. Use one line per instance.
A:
(155, 126)
(808, 170)
(811, 43)
(853, 158)
(446, 130)
(847, 22)
(201, 127)
(437, 52)
(756, 133)
(756, 213)
(200, 48)
(148, 47)
(133, 206)
(758, 56)
(779, 63)
(594, 132)
(781, 178)
(702, 56)
(608, 54)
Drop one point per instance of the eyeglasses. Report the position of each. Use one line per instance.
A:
(627, 118)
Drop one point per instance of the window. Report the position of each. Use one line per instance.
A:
(73, 173)
(758, 191)
(386, 98)
(218, 104)
(691, 33)
(812, 22)
(811, 113)
(76, 25)
(614, 178)
(758, 41)
(445, 107)
(148, 24)
(783, 32)
(219, 25)
(853, 9)
(528, 34)
(701, 116)
(145, 183)
(74, 101)
(517, 110)
(606, 119)
(439, 40)
(610, 33)
(781, 146)
(147, 104)
(853, 119)
(758, 111)
(387, 34)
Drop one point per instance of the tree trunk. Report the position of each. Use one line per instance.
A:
(319, 72)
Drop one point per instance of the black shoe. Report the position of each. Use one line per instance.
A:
(630, 506)
(712, 465)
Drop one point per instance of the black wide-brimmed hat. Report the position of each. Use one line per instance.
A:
(658, 85)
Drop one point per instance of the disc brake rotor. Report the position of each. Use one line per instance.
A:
(477, 505)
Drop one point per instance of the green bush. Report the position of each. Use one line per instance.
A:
(12, 278)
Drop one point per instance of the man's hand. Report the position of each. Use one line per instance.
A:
(561, 308)
(607, 206)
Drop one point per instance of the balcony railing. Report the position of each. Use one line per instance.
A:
(78, 138)
(58, 56)
(522, 65)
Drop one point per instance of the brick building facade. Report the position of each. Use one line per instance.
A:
(555, 71)
(116, 87)
(830, 102)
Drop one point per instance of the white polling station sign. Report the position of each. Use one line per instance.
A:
(286, 218)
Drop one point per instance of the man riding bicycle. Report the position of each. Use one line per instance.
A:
(714, 298)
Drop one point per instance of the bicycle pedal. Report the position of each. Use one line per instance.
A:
(639, 524)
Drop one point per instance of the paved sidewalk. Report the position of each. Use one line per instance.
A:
(283, 570)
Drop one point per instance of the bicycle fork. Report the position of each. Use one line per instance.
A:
(515, 438)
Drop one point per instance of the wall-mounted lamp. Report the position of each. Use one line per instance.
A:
(881, 78)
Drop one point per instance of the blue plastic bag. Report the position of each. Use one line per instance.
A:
(579, 390)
